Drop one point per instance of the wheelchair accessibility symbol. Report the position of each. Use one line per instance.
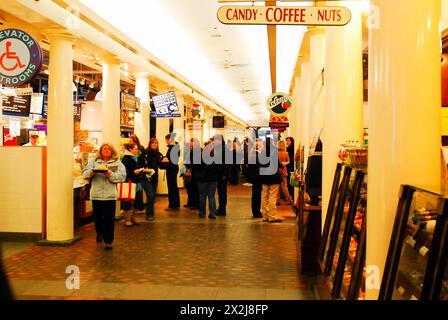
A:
(11, 55)
(20, 57)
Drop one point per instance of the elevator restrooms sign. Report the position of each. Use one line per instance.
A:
(310, 16)
(20, 57)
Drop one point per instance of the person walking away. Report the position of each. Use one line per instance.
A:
(150, 159)
(236, 163)
(133, 173)
(172, 170)
(283, 157)
(253, 177)
(207, 174)
(271, 184)
(290, 167)
(192, 185)
(103, 192)
(223, 164)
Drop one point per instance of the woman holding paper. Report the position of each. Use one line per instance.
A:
(133, 173)
(150, 160)
(104, 172)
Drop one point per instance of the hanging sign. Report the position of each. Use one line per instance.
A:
(165, 103)
(310, 16)
(279, 104)
(20, 57)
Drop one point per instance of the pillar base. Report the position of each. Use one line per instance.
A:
(66, 243)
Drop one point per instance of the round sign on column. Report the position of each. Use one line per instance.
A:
(20, 57)
(279, 104)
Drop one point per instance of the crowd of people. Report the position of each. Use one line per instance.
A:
(207, 171)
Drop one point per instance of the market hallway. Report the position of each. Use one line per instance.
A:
(176, 256)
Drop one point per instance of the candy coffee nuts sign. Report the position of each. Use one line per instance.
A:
(20, 57)
(279, 104)
(310, 16)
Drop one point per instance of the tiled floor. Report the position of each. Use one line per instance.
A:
(176, 256)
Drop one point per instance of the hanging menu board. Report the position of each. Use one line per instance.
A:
(16, 105)
(77, 111)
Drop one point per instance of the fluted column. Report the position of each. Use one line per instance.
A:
(60, 228)
(304, 93)
(317, 97)
(142, 88)
(111, 101)
(404, 124)
(343, 117)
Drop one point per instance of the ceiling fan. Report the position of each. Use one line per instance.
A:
(228, 65)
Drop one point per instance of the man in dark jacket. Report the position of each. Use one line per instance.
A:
(172, 171)
(270, 179)
(223, 159)
(253, 176)
(207, 174)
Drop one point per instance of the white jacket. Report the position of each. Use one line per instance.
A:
(103, 188)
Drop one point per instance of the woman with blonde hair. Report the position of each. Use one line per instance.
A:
(283, 157)
(104, 172)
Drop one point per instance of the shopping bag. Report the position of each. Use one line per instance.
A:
(126, 191)
(295, 178)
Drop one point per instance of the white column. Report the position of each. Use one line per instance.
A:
(111, 101)
(296, 132)
(404, 99)
(343, 118)
(142, 88)
(180, 132)
(305, 103)
(317, 62)
(60, 139)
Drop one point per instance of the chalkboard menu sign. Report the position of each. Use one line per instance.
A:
(77, 111)
(16, 105)
(218, 122)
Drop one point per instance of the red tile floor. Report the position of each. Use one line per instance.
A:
(176, 256)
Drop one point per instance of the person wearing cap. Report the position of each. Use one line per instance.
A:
(34, 139)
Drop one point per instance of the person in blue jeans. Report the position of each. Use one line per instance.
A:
(150, 159)
(207, 174)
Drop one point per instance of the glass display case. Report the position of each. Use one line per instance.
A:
(416, 263)
(349, 274)
(345, 256)
(334, 212)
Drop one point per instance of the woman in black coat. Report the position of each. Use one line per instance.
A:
(133, 172)
(150, 159)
